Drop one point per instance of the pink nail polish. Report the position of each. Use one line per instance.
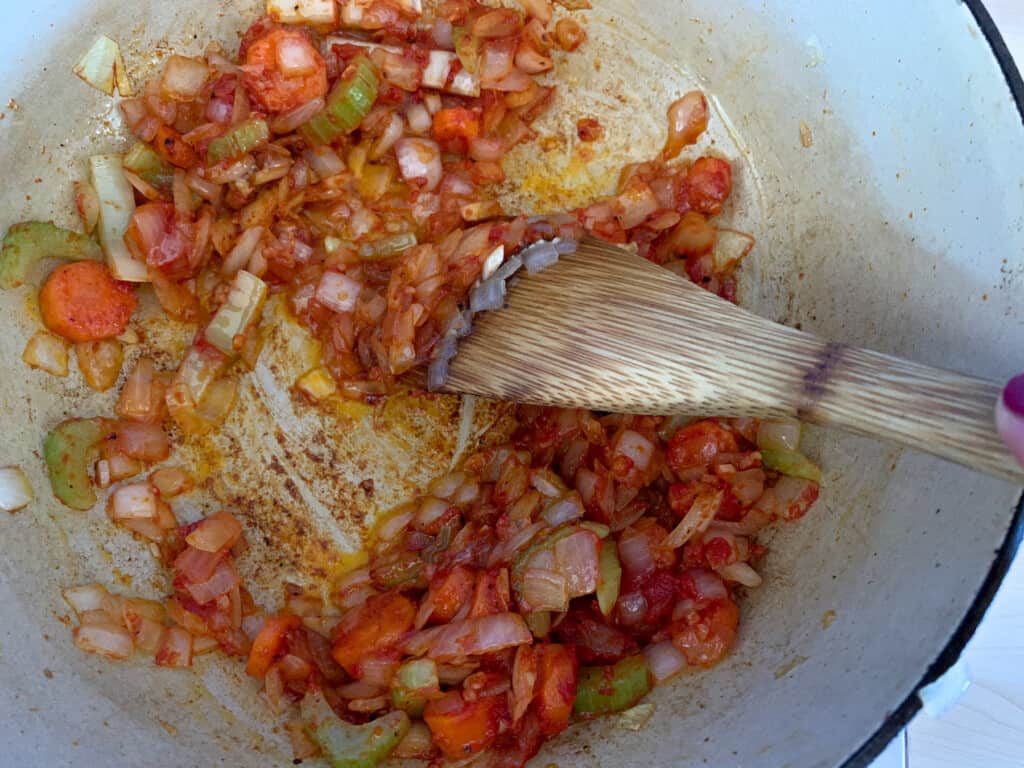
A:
(1013, 395)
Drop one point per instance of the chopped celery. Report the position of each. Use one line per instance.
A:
(544, 540)
(351, 746)
(609, 577)
(792, 463)
(66, 452)
(243, 307)
(467, 48)
(31, 241)
(386, 247)
(603, 690)
(117, 204)
(348, 103)
(602, 530)
(415, 683)
(240, 140)
(144, 162)
(539, 623)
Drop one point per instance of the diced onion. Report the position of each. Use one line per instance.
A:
(47, 353)
(473, 637)
(338, 292)
(312, 12)
(218, 531)
(696, 520)
(15, 490)
(741, 573)
(576, 558)
(183, 78)
(420, 162)
(243, 307)
(134, 501)
(636, 448)
(117, 204)
(88, 597)
(176, 649)
(664, 660)
(107, 640)
(564, 510)
(295, 58)
(96, 67)
(687, 120)
(544, 590)
(221, 581)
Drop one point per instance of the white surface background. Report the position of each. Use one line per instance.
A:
(986, 728)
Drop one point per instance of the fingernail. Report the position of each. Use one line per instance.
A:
(1013, 395)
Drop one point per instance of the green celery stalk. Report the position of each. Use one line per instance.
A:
(603, 690)
(31, 241)
(66, 451)
(348, 103)
(351, 746)
(144, 162)
(792, 463)
(609, 577)
(415, 682)
(240, 140)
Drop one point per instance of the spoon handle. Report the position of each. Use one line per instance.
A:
(937, 411)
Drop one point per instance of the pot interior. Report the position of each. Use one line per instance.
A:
(881, 175)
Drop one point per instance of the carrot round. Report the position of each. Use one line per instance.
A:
(83, 302)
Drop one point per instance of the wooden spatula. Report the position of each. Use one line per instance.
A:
(606, 330)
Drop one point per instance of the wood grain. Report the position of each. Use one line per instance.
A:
(606, 330)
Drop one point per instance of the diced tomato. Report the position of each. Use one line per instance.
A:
(594, 639)
(272, 88)
(268, 643)
(376, 625)
(718, 552)
(698, 444)
(169, 144)
(709, 182)
(82, 301)
(660, 591)
(491, 594)
(705, 636)
(556, 687)
(456, 123)
(464, 728)
(449, 591)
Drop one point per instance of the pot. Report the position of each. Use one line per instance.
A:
(879, 168)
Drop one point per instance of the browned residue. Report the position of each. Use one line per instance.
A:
(827, 618)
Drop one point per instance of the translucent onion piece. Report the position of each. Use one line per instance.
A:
(664, 660)
(242, 308)
(696, 520)
(15, 489)
(47, 353)
(312, 12)
(117, 204)
(96, 67)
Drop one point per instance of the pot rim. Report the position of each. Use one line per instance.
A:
(900, 717)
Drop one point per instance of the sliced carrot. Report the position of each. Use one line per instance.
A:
(463, 728)
(449, 591)
(556, 687)
(268, 643)
(456, 123)
(82, 301)
(376, 625)
(169, 144)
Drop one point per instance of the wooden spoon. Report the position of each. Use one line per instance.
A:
(606, 330)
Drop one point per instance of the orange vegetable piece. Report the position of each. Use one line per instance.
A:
(556, 687)
(82, 301)
(169, 144)
(269, 86)
(268, 643)
(376, 625)
(710, 184)
(449, 591)
(704, 637)
(463, 728)
(491, 594)
(456, 123)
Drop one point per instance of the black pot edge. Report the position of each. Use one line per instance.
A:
(898, 719)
